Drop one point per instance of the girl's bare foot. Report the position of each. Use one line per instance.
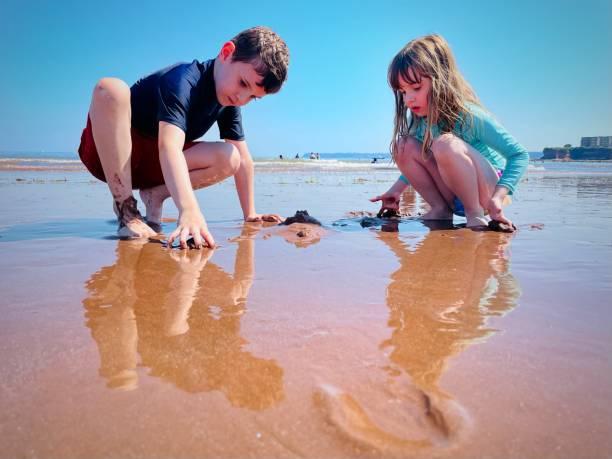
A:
(153, 201)
(438, 214)
(477, 221)
(131, 223)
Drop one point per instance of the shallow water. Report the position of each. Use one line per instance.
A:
(360, 343)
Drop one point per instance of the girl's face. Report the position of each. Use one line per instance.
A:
(416, 94)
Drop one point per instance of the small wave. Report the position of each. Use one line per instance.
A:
(39, 161)
(323, 164)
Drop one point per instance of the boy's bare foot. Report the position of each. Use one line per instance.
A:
(131, 223)
(154, 226)
(438, 214)
(153, 202)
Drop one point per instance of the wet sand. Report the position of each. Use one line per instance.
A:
(349, 342)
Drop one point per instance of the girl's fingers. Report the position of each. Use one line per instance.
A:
(503, 219)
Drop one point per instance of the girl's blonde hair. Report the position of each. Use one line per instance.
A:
(430, 56)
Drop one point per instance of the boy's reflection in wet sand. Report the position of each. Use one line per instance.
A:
(181, 313)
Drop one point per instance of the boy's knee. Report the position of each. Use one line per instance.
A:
(112, 92)
(231, 160)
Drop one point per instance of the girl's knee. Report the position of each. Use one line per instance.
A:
(408, 150)
(446, 146)
(112, 92)
(445, 142)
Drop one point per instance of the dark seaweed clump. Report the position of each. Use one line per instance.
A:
(301, 216)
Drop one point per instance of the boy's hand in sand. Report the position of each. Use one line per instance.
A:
(192, 223)
(273, 218)
(390, 200)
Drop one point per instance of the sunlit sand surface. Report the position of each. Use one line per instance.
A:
(341, 341)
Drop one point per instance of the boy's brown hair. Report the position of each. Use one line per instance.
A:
(267, 52)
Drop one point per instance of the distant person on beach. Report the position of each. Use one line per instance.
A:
(451, 150)
(144, 137)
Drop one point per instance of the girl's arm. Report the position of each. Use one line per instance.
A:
(494, 135)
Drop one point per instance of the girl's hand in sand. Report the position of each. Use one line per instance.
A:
(496, 205)
(191, 222)
(390, 200)
(273, 218)
(496, 211)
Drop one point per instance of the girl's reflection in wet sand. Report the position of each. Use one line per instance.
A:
(447, 286)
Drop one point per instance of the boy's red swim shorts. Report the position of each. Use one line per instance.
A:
(146, 169)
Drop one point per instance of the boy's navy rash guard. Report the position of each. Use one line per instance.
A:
(183, 95)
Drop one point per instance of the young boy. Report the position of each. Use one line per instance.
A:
(143, 137)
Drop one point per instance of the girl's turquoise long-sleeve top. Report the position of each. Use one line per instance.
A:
(491, 139)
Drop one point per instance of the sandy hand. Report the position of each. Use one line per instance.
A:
(192, 223)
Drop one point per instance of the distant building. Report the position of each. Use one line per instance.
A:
(604, 142)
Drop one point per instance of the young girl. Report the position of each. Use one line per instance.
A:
(456, 156)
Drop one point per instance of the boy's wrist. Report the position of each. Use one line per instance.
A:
(188, 208)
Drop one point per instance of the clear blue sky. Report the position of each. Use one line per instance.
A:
(544, 69)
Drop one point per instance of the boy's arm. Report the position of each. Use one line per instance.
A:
(176, 175)
(245, 187)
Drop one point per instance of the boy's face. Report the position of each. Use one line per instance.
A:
(237, 83)
(416, 94)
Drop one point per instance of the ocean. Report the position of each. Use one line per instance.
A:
(340, 161)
